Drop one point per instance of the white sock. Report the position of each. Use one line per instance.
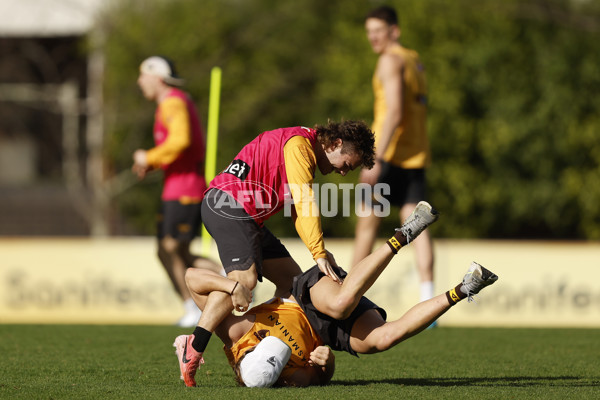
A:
(426, 290)
(191, 316)
(190, 306)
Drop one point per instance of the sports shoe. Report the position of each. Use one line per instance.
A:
(191, 317)
(189, 359)
(477, 278)
(422, 216)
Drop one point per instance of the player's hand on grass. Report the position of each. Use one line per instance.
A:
(322, 356)
(325, 267)
(241, 297)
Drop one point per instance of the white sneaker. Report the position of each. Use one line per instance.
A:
(191, 317)
(476, 278)
(422, 216)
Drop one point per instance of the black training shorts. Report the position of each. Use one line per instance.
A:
(407, 186)
(241, 242)
(180, 221)
(334, 333)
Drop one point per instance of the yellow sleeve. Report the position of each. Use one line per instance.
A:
(174, 115)
(300, 165)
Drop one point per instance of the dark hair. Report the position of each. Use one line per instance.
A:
(384, 13)
(356, 136)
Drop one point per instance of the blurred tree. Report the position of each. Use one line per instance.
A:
(512, 115)
(514, 112)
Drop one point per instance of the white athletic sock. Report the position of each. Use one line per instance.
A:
(190, 306)
(426, 290)
(192, 314)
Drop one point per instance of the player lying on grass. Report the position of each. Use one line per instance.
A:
(284, 341)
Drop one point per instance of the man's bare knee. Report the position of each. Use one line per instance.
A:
(190, 275)
(387, 339)
(161, 253)
(168, 245)
(193, 279)
(341, 307)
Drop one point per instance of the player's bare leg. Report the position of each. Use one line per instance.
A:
(166, 249)
(281, 271)
(338, 302)
(171, 253)
(195, 261)
(371, 334)
(365, 234)
(201, 283)
(423, 246)
(218, 306)
(176, 259)
(192, 261)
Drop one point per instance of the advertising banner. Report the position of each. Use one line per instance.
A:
(120, 281)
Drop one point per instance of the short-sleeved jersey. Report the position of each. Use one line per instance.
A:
(284, 320)
(409, 145)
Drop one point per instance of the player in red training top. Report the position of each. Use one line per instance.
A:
(275, 168)
(179, 152)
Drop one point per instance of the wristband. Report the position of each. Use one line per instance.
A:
(232, 290)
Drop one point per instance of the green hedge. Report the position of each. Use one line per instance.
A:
(514, 108)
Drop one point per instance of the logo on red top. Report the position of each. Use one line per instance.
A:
(238, 168)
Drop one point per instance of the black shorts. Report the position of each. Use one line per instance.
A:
(241, 242)
(406, 185)
(334, 333)
(180, 221)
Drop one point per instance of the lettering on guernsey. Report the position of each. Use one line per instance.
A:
(288, 336)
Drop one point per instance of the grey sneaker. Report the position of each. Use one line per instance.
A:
(422, 216)
(476, 278)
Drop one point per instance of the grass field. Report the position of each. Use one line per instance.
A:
(138, 362)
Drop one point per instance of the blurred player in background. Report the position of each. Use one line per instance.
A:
(274, 169)
(285, 341)
(179, 152)
(402, 146)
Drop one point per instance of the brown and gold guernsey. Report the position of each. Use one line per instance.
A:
(409, 146)
(284, 320)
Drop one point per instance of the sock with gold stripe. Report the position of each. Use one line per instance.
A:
(455, 295)
(397, 241)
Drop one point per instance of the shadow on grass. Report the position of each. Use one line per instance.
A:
(508, 381)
